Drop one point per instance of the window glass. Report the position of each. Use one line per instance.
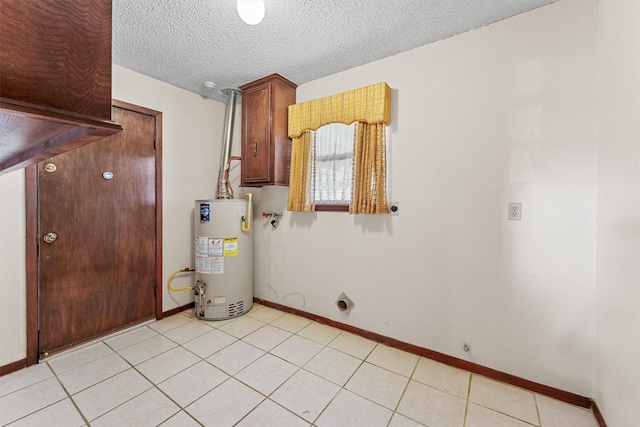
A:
(334, 154)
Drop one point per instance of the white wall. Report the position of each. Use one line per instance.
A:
(13, 325)
(617, 390)
(506, 113)
(192, 141)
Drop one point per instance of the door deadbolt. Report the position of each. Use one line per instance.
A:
(50, 237)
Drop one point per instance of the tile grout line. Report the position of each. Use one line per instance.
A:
(73, 402)
(313, 423)
(467, 403)
(232, 376)
(200, 358)
(499, 411)
(299, 368)
(302, 368)
(362, 362)
(26, 386)
(54, 376)
(466, 408)
(154, 385)
(131, 366)
(404, 391)
(266, 397)
(128, 400)
(535, 400)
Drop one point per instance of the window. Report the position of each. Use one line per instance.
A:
(326, 174)
(334, 164)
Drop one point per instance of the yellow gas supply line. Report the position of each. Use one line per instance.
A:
(186, 288)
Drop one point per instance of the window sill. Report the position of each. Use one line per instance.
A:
(332, 208)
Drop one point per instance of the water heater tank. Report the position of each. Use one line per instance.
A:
(224, 259)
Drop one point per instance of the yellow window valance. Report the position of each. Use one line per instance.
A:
(369, 104)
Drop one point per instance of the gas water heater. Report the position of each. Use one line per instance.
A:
(224, 258)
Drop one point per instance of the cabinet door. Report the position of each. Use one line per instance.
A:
(256, 131)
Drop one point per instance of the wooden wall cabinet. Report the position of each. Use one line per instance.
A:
(55, 78)
(266, 147)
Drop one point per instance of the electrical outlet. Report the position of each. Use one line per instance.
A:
(514, 212)
(394, 208)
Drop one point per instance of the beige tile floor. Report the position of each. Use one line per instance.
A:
(266, 368)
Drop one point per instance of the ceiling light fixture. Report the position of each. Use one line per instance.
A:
(251, 11)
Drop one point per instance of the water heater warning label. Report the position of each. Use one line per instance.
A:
(210, 255)
(215, 247)
(202, 246)
(209, 246)
(230, 246)
(211, 251)
(210, 265)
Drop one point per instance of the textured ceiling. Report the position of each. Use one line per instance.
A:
(188, 42)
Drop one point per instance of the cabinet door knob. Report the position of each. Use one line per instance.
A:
(255, 148)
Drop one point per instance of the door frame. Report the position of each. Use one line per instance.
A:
(32, 235)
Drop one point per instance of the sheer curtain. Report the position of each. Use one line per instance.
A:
(334, 163)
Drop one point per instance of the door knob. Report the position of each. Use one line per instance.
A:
(50, 237)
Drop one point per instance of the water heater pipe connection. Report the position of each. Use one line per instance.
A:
(246, 220)
(223, 184)
(276, 218)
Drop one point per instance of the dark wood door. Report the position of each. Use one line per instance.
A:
(98, 275)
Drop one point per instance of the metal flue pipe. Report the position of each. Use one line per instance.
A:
(223, 184)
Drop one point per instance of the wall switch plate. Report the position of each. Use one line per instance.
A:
(394, 208)
(515, 212)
